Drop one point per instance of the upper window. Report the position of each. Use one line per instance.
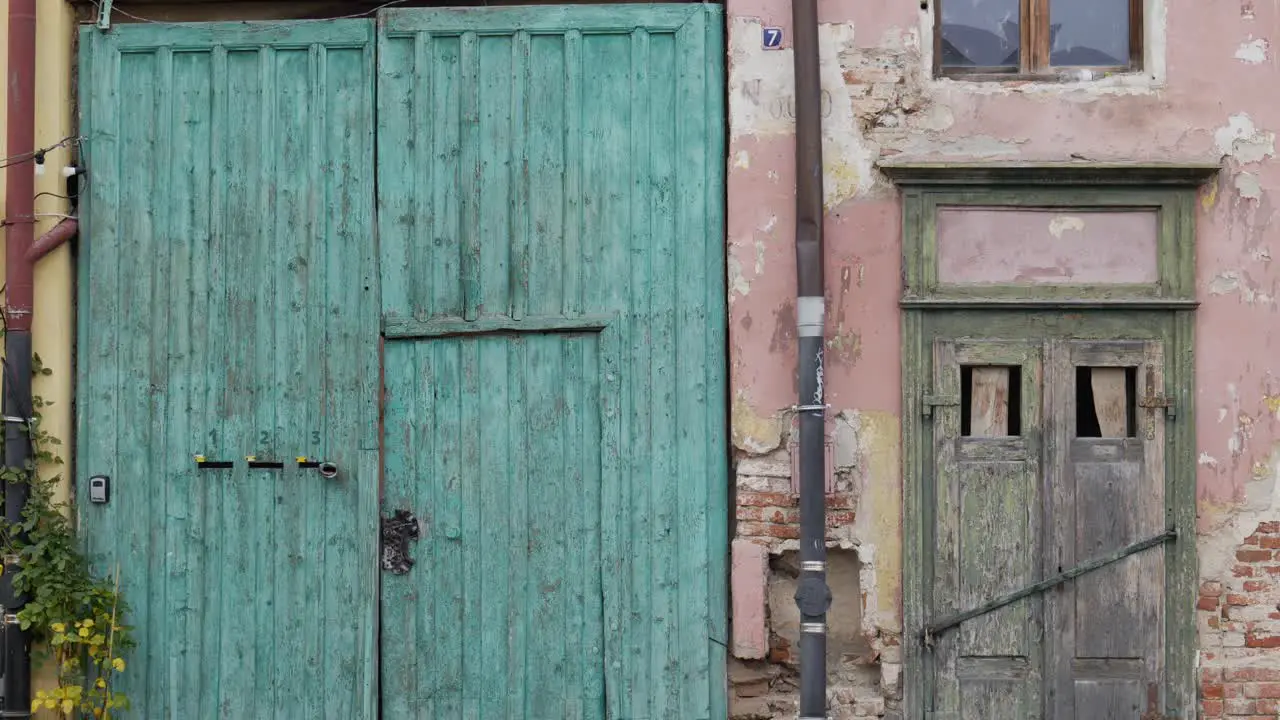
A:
(1013, 39)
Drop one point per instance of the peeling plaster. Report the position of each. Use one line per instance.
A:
(738, 284)
(1224, 527)
(1232, 282)
(762, 102)
(869, 441)
(1242, 140)
(753, 433)
(1248, 186)
(1253, 52)
(1062, 223)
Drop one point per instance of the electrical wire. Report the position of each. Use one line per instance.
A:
(117, 9)
(34, 154)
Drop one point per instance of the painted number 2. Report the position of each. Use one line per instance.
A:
(772, 38)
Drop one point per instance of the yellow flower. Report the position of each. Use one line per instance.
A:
(84, 632)
(59, 627)
(118, 664)
(88, 623)
(102, 683)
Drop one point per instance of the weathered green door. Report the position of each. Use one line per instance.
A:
(228, 306)
(550, 199)
(1048, 456)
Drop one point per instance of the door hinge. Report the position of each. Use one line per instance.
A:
(1155, 400)
(929, 402)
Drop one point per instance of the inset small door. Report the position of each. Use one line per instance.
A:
(1046, 593)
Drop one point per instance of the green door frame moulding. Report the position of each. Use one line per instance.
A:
(1164, 311)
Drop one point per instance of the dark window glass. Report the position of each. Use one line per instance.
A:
(1089, 32)
(980, 33)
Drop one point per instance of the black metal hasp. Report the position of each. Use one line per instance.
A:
(253, 462)
(937, 627)
(397, 531)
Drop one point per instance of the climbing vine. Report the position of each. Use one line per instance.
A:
(77, 613)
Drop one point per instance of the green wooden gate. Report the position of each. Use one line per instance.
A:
(550, 193)
(228, 305)
(546, 270)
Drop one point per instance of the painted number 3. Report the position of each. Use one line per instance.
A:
(772, 38)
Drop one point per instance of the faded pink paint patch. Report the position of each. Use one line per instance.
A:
(749, 578)
(761, 225)
(864, 325)
(997, 245)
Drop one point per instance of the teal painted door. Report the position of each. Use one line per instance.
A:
(228, 305)
(550, 196)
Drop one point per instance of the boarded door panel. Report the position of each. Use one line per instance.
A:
(1107, 491)
(987, 528)
(559, 166)
(496, 443)
(228, 309)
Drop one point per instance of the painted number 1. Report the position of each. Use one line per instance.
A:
(772, 38)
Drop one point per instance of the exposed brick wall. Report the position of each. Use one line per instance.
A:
(863, 682)
(1239, 621)
(776, 515)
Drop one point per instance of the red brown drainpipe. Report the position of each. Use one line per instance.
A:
(52, 240)
(19, 210)
(20, 186)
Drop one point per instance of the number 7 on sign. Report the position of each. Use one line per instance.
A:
(772, 38)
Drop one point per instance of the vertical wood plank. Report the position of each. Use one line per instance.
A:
(444, 169)
(164, 502)
(692, 359)
(399, 79)
(573, 95)
(518, 492)
(495, 87)
(263, 340)
(989, 402)
(659, 695)
(943, 533)
(716, 365)
(185, 533)
(473, 280)
(1110, 400)
(471, 479)
(518, 280)
(236, 651)
(220, 443)
(546, 147)
(418, 92)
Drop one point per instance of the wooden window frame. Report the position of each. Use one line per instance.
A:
(1164, 312)
(1033, 52)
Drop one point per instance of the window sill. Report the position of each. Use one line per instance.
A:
(1061, 75)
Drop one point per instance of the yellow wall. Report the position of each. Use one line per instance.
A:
(53, 320)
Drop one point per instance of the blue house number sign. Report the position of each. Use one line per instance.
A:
(772, 38)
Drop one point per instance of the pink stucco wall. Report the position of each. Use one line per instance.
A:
(1206, 98)
(1209, 107)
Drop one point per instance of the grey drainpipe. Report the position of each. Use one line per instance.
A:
(813, 595)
